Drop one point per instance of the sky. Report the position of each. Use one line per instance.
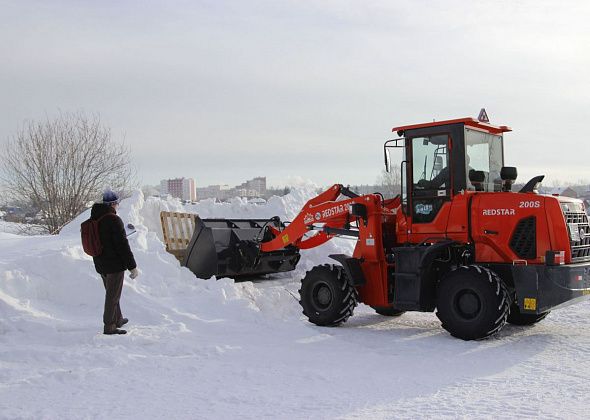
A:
(224, 91)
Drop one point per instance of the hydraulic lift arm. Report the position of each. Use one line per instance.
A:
(336, 217)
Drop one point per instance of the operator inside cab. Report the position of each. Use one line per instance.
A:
(442, 179)
(431, 162)
(431, 176)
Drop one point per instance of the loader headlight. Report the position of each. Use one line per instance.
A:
(574, 230)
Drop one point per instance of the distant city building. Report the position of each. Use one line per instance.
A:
(245, 192)
(253, 188)
(257, 184)
(183, 188)
(219, 192)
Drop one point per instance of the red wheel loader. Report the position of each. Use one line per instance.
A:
(457, 239)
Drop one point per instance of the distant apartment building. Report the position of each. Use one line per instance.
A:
(219, 192)
(245, 192)
(253, 188)
(183, 188)
(257, 184)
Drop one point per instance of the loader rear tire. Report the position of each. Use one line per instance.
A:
(387, 311)
(515, 317)
(472, 302)
(327, 298)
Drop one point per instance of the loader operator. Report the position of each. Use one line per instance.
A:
(443, 177)
(116, 257)
(438, 181)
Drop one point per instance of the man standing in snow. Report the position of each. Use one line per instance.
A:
(116, 257)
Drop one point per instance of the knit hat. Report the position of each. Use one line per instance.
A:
(110, 197)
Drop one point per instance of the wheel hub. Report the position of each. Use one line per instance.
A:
(322, 296)
(468, 304)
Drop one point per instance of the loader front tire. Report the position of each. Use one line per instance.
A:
(515, 317)
(327, 298)
(472, 302)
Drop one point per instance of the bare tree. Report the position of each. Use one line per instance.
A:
(60, 165)
(391, 181)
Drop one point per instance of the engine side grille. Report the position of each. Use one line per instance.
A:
(579, 230)
(524, 238)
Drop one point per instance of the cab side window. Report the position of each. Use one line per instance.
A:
(430, 162)
(431, 176)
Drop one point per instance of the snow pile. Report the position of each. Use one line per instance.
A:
(37, 286)
(217, 349)
(54, 269)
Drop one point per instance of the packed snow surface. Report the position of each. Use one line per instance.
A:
(214, 349)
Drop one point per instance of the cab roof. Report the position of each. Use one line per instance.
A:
(470, 122)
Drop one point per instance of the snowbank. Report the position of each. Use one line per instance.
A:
(53, 277)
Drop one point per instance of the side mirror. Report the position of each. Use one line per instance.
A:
(508, 175)
(387, 146)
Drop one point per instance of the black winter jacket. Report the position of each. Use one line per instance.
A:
(116, 254)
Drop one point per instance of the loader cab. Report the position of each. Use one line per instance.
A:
(442, 159)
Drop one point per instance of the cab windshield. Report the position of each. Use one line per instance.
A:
(483, 152)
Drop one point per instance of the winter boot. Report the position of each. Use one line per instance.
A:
(122, 322)
(112, 329)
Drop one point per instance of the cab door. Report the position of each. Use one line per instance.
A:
(430, 181)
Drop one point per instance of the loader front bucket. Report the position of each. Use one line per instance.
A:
(231, 248)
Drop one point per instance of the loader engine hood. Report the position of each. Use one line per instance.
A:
(509, 227)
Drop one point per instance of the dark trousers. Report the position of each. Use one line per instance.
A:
(113, 284)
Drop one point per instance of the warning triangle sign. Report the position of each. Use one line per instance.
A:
(483, 116)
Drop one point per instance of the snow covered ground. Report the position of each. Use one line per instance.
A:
(206, 349)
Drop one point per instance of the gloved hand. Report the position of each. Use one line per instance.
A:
(133, 273)
(423, 183)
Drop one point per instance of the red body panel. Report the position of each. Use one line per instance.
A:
(495, 216)
(493, 219)
(450, 222)
(370, 248)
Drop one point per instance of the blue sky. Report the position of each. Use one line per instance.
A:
(223, 91)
